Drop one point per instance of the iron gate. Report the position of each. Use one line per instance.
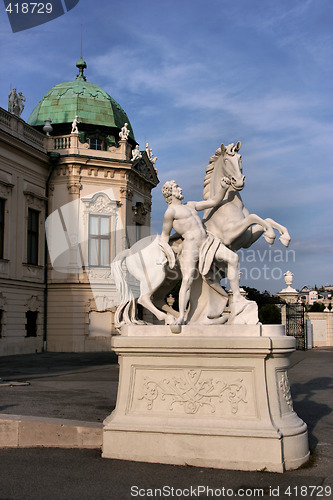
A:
(295, 324)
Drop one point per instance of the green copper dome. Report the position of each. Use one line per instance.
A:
(89, 102)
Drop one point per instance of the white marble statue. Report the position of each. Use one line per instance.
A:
(19, 104)
(200, 253)
(16, 102)
(75, 123)
(136, 153)
(12, 98)
(184, 219)
(150, 260)
(150, 155)
(124, 133)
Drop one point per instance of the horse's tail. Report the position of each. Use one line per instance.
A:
(125, 312)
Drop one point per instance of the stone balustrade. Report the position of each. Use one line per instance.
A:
(20, 129)
(63, 142)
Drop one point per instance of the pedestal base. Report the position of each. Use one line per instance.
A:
(209, 401)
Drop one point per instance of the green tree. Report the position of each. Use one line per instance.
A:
(261, 298)
(317, 307)
(270, 314)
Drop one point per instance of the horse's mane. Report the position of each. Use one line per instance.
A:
(209, 172)
(230, 150)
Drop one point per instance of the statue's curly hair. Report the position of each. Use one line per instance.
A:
(167, 190)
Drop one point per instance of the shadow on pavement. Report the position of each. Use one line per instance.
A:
(307, 408)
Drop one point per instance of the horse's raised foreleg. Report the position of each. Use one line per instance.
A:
(285, 237)
(257, 230)
(239, 229)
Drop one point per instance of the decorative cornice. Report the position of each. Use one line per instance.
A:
(34, 195)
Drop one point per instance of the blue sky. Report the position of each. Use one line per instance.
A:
(193, 74)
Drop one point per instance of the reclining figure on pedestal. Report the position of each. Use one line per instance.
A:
(199, 253)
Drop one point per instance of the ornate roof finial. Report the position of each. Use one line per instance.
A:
(81, 64)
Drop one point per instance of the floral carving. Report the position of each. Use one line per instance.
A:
(285, 389)
(192, 391)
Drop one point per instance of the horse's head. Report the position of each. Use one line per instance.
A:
(233, 165)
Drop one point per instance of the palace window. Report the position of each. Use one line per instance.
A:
(2, 227)
(99, 240)
(138, 231)
(96, 144)
(33, 237)
(31, 323)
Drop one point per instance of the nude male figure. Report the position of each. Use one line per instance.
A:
(184, 219)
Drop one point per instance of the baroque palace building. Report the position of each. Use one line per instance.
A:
(75, 172)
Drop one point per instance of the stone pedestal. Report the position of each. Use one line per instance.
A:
(208, 396)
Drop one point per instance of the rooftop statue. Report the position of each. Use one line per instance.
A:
(16, 102)
(124, 133)
(200, 254)
(136, 153)
(12, 96)
(150, 155)
(19, 103)
(75, 123)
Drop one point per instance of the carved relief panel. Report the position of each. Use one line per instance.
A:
(198, 392)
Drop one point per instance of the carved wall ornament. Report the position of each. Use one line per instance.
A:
(3, 301)
(34, 200)
(4, 267)
(100, 203)
(74, 187)
(139, 212)
(192, 391)
(99, 273)
(147, 205)
(100, 303)
(285, 390)
(33, 303)
(5, 188)
(144, 170)
(126, 192)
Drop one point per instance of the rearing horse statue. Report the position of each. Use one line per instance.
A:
(230, 220)
(229, 223)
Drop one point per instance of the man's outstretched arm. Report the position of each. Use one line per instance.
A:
(215, 200)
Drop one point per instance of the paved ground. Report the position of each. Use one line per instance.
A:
(61, 385)
(83, 386)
